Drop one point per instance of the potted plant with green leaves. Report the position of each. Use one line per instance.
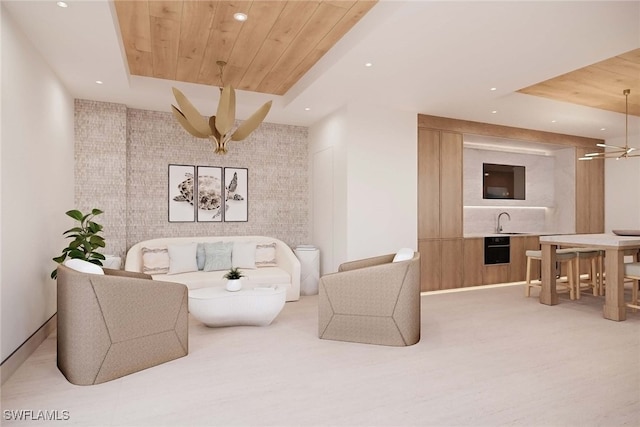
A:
(233, 279)
(86, 239)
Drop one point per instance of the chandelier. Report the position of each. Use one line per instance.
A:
(220, 129)
(616, 152)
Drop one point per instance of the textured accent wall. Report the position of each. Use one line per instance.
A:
(101, 168)
(135, 167)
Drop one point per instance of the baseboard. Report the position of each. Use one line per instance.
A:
(11, 364)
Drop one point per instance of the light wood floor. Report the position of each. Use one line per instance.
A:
(487, 357)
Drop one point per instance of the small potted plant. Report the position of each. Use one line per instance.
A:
(233, 279)
(86, 239)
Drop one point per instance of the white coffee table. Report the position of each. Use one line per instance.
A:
(217, 307)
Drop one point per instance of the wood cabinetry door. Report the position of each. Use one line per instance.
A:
(428, 184)
(518, 266)
(589, 195)
(451, 185)
(473, 261)
(430, 263)
(452, 263)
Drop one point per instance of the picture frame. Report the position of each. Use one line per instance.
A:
(236, 194)
(181, 189)
(210, 193)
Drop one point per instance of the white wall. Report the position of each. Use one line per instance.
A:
(37, 185)
(622, 189)
(364, 180)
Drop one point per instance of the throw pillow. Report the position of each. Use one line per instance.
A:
(218, 256)
(182, 258)
(201, 256)
(155, 260)
(83, 266)
(244, 255)
(403, 254)
(266, 255)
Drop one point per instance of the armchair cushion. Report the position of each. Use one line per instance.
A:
(83, 266)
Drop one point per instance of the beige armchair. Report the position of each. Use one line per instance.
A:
(372, 301)
(115, 324)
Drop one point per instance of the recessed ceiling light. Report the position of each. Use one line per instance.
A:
(307, 109)
(239, 16)
(553, 121)
(494, 111)
(493, 88)
(368, 64)
(99, 82)
(603, 128)
(62, 4)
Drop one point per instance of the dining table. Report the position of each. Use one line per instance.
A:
(614, 247)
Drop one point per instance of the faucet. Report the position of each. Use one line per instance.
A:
(499, 227)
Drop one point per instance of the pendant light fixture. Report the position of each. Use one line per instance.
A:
(220, 128)
(617, 152)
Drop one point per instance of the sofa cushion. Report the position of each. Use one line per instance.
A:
(201, 256)
(218, 256)
(155, 260)
(266, 255)
(244, 255)
(182, 258)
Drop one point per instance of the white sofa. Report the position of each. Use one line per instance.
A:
(286, 272)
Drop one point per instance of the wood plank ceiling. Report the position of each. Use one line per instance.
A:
(269, 52)
(599, 85)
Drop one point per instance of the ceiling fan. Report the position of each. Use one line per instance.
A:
(219, 128)
(616, 151)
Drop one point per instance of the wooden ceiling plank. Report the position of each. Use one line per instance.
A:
(620, 66)
(221, 39)
(340, 3)
(136, 35)
(325, 16)
(351, 18)
(287, 26)
(632, 56)
(197, 21)
(166, 9)
(251, 39)
(165, 34)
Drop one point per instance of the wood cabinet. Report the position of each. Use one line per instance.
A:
(589, 194)
(439, 184)
(447, 259)
(473, 262)
(518, 265)
(440, 209)
(440, 264)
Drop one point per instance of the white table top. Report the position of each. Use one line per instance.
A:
(603, 240)
(221, 292)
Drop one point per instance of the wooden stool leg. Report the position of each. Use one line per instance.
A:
(594, 277)
(527, 287)
(634, 293)
(577, 278)
(571, 281)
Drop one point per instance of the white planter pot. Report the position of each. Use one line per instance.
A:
(234, 285)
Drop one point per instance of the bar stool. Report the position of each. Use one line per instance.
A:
(632, 271)
(562, 256)
(594, 255)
